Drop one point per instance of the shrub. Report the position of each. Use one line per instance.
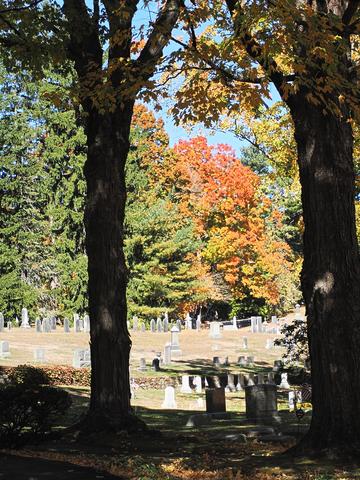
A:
(26, 409)
(28, 375)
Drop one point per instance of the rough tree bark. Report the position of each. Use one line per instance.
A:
(331, 269)
(330, 276)
(107, 130)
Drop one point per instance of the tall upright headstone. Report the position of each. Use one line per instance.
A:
(53, 323)
(178, 324)
(234, 320)
(152, 325)
(261, 403)
(253, 322)
(245, 343)
(198, 384)
(284, 381)
(159, 325)
(259, 324)
(175, 343)
(46, 327)
(76, 323)
(297, 312)
(2, 322)
(66, 325)
(198, 322)
(167, 354)
(86, 324)
(38, 325)
(24, 318)
(166, 323)
(135, 323)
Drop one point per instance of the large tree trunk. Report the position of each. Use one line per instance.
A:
(108, 146)
(330, 276)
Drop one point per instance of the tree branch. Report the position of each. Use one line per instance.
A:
(350, 11)
(254, 49)
(158, 37)
(20, 9)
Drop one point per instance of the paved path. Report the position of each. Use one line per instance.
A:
(20, 468)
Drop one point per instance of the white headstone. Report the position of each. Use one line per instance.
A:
(284, 381)
(159, 325)
(24, 318)
(76, 323)
(38, 325)
(152, 325)
(175, 344)
(259, 323)
(269, 344)
(4, 349)
(185, 384)
(66, 325)
(86, 323)
(215, 330)
(2, 322)
(234, 320)
(245, 343)
(142, 366)
(297, 312)
(169, 401)
(198, 384)
(253, 325)
(167, 354)
(81, 358)
(39, 355)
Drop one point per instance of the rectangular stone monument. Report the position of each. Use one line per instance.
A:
(53, 323)
(2, 322)
(261, 403)
(135, 323)
(198, 384)
(250, 361)
(242, 362)
(178, 324)
(169, 400)
(142, 366)
(24, 318)
(245, 343)
(167, 354)
(175, 343)
(77, 326)
(231, 382)
(38, 325)
(259, 324)
(159, 325)
(46, 328)
(152, 326)
(66, 325)
(185, 384)
(86, 324)
(215, 330)
(215, 400)
(4, 349)
(81, 358)
(253, 325)
(39, 355)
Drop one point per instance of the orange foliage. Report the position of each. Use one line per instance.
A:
(233, 217)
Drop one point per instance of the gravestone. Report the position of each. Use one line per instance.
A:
(4, 349)
(260, 379)
(2, 322)
(38, 325)
(250, 380)
(53, 323)
(66, 325)
(142, 366)
(39, 355)
(86, 323)
(16, 321)
(298, 315)
(188, 322)
(242, 361)
(198, 384)
(185, 384)
(215, 400)
(9, 325)
(216, 380)
(175, 344)
(178, 324)
(169, 401)
(234, 320)
(198, 323)
(46, 327)
(24, 318)
(159, 325)
(277, 365)
(284, 381)
(291, 400)
(167, 354)
(250, 361)
(240, 382)
(143, 327)
(269, 344)
(155, 365)
(135, 323)
(271, 378)
(81, 324)
(226, 362)
(76, 323)
(274, 319)
(253, 328)
(81, 358)
(259, 324)
(245, 343)
(231, 382)
(261, 403)
(215, 330)
(152, 326)
(166, 323)
(216, 361)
